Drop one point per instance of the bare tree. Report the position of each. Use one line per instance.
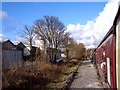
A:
(50, 30)
(28, 34)
(68, 42)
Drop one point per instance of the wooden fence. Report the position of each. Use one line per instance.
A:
(11, 58)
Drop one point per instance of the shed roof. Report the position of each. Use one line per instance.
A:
(8, 41)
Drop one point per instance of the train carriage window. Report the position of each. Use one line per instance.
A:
(108, 71)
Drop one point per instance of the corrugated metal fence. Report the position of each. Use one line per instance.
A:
(11, 58)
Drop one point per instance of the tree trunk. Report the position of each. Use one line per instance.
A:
(30, 46)
(67, 51)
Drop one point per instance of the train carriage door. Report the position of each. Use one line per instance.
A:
(110, 61)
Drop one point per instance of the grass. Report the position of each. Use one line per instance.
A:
(71, 70)
(71, 67)
(60, 79)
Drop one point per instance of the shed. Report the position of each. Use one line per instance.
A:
(8, 45)
(20, 46)
(10, 55)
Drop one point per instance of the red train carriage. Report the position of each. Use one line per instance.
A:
(108, 56)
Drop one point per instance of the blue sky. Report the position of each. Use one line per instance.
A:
(20, 14)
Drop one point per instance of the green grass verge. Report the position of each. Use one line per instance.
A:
(60, 79)
(71, 70)
(64, 76)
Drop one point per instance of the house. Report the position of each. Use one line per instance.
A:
(54, 54)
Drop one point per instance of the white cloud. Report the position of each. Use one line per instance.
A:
(3, 15)
(36, 43)
(20, 39)
(93, 31)
(3, 38)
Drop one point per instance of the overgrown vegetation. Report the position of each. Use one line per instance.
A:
(38, 75)
(72, 67)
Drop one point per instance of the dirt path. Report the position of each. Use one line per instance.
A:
(86, 77)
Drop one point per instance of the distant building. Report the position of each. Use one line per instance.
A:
(14, 55)
(8, 45)
(54, 54)
(10, 55)
(20, 46)
(89, 53)
(23, 48)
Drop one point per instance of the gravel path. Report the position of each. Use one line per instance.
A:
(86, 77)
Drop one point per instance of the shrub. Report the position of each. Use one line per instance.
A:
(37, 75)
